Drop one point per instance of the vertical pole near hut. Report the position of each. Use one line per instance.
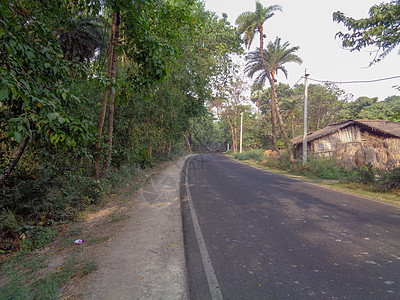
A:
(241, 132)
(305, 118)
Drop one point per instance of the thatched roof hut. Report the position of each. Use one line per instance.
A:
(356, 143)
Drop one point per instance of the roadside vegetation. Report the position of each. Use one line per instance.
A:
(364, 181)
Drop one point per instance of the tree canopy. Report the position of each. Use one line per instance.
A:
(380, 29)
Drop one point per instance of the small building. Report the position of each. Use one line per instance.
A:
(356, 143)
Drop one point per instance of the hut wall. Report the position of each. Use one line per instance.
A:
(381, 151)
(327, 145)
(356, 146)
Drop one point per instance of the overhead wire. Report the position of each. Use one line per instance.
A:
(354, 81)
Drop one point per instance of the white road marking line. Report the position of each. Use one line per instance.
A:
(205, 257)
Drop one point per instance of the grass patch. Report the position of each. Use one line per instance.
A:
(27, 280)
(257, 155)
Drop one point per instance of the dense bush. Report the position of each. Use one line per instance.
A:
(256, 154)
(326, 168)
(390, 181)
(323, 167)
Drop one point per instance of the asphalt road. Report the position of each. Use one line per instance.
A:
(251, 234)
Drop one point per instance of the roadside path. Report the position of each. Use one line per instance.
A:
(146, 259)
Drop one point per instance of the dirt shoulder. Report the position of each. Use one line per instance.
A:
(140, 252)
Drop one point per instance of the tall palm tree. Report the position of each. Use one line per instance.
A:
(250, 23)
(276, 55)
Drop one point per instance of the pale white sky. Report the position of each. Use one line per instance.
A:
(309, 24)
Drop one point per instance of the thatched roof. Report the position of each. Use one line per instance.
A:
(381, 127)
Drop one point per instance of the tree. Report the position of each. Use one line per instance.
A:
(151, 122)
(291, 106)
(82, 38)
(249, 23)
(371, 108)
(380, 29)
(108, 92)
(35, 94)
(352, 109)
(276, 56)
(150, 34)
(228, 106)
(324, 104)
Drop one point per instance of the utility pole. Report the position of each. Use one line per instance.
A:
(305, 118)
(241, 132)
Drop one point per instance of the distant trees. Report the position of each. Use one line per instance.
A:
(325, 103)
(371, 108)
(229, 104)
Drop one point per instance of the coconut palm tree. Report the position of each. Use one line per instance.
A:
(249, 23)
(276, 55)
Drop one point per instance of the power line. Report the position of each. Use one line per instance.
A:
(298, 80)
(354, 81)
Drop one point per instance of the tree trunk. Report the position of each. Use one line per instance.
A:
(273, 109)
(15, 159)
(292, 122)
(186, 135)
(107, 90)
(281, 124)
(111, 106)
(234, 146)
(169, 148)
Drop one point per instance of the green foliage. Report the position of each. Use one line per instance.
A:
(33, 99)
(276, 56)
(52, 77)
(352, 109)
(380, 29)
(29, 283)
(324, 104)
(321, 167)
(371, 109)
(390, 181)
(37, 237)
(257, 155)
(251, 22)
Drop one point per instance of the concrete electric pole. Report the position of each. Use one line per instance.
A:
(305, 118)
(241, 132)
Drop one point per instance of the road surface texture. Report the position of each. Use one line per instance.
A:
(251, 234)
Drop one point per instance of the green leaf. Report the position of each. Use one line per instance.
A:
(12, 43)
(3, 94)
(17, 136)
(30, 54)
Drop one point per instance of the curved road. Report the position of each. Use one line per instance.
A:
(251, 234)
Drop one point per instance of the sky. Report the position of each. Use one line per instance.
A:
(309, 25)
